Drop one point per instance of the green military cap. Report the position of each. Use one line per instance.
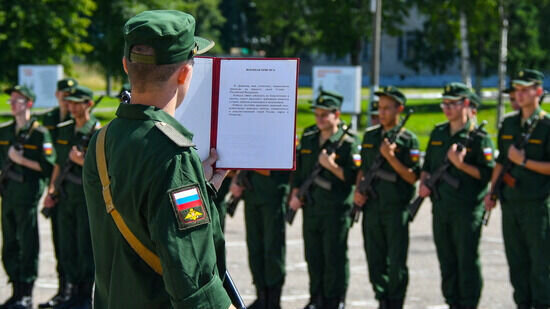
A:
(66, 84)
(528, 77)
(80, 94)
(394, 93)
(24, 90)
(456, 91)
(170, 33)
(328, 100)
(374, 105)
(475, 100)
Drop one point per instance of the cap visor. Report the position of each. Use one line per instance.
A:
(314, 106)
(203, 45)
(75, 99)
(450, 97)
(523, 82)
(396, 99)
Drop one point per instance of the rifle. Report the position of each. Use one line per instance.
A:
(504, 177)
(441, 173)
(375, 172)
(304, 193)
(242, 181)
(7, 172)
(65, 174)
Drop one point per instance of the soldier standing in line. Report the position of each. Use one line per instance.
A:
(458, 212)
(326, 212)
(524, 194)
(50, 120)
(385, 219)
(265, 207)
(27, 157)
(67, 195)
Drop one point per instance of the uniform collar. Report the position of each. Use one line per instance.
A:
(27, 126)
(88, 126)
(146, 112)
(468, 126)
(531, 118)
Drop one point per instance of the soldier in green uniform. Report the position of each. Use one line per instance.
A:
(264, 212)
(326, 213)
(525, 203)
(385, 219)
(59, 114)
(50, 120)
(27, 157)
(66, 194)
(457, 212)
(219, 200)
(155, 184)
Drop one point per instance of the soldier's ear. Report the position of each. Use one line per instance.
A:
(400, 108)
(184, 73)
(124, 65)
(466, 102)
(539, 91)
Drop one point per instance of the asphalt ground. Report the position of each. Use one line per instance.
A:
(424, 276)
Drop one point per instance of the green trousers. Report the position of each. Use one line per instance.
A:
(265, 238)
(55, 239)
(386, 241)
(326, 252)
(20, 239)
(526, 231)
(75, 242)
(457, 231)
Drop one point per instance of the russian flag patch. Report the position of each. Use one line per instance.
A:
(189, 207)
(357, 159)
(488, 153)
(415, 155)
(48, 148)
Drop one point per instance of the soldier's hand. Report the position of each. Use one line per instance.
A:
(359, 199)
(236, 190)
(15, 155)
(295, 202)
(489, 203)
(456, 157)
(76, 156)
(515, 155)
(207, 165)
(386, 149)
(326, 160)
(49, 201)
(424, 191)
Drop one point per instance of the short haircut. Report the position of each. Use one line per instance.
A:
(144, 77)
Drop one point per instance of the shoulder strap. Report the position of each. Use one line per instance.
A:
(144, 253)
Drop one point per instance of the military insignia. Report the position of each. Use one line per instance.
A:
(415, 155)
(357, 159)
(305, 151)
(436, 143)
(521, 73)
(448, 89)
(4, 143)
(488, 153)
(70, 83)
(507, 137)
(368, 145)
(48, 148)
(297, 141)
(188, 207)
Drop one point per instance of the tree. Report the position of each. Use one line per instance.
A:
(42, 32)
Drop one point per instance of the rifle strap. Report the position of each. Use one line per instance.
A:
(144, 253)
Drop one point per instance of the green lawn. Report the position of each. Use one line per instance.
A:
(427, 114)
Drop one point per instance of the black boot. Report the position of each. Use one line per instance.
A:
(261, 300)
(395, 303)
(383, 304)
(274, 297)
(315, 302)
(24, 301)
(72, 299)
(524, 306)
(454, 306)
(63, 294)
(14, 295)
(542, 307)
(85, 291)
(334, 303)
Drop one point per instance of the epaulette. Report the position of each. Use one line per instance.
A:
(6, 124)
(65, 123)
(41, 129)
(173, 134)
(372, 128)
(441, 125)
(510, 114)
(310, 130)
(43, 112)
(405, 134)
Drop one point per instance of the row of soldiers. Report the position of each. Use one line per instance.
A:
(48, 156)
(378, 176)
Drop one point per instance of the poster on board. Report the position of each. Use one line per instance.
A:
(345, 80)
(43, 80)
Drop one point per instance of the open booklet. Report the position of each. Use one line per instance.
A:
(246, 109)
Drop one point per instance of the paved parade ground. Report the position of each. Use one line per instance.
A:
(424, 284)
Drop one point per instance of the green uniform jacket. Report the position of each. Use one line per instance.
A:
(480, 154)
(158, 187)
(530, 185)
(327, 201)
(67, 137)
(51, 119)
(266, 188)
(38, 148)
(399, 192)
